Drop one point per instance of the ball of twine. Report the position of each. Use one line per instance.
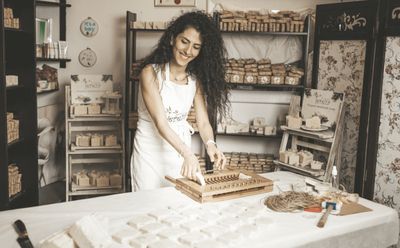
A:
(291, 201)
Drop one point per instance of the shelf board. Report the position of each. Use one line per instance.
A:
(96, 116)
(51, 4)
(94, 190)
(106, 118)
(147, 30)
(248, 134)
(267, 87)
(305, 171)
(14, 87)
(16, 196)
(266, 33)
(52, 60)
(325, 136)
(93, 151)
(97, 148)
(45, 91)
(15, 30)
(14, 142)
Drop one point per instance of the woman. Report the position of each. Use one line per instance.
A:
(186, 67)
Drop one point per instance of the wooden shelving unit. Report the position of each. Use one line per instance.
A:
(88, 158)
(294, 89)
(17, 57)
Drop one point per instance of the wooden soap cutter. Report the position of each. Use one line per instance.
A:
(223, 185)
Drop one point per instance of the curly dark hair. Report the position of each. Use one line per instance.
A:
(208, 66)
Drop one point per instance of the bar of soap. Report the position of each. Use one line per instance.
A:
(140, 220)
(209, 244)
(165, 243)
(193, 225)
(230, 239)
(174, 220)
(153, 227)
(144, 240)
(58, 240)
(172, 233)
(192, 238)
(88, 232)
(160, 214)
(125, 235)
(214, 230)
(230, 223)
(264, 221)
(248, 231)
(209, 218)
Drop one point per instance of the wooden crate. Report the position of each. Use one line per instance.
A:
(224, 185)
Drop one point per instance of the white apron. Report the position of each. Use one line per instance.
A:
(153, 157)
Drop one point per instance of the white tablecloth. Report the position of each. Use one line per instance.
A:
(379, 228)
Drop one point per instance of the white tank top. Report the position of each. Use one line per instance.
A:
(177, 100)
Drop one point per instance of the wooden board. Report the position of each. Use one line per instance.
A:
(224, 185)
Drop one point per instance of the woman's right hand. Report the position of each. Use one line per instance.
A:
(190, 166)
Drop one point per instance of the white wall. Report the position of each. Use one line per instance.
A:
(109, 45)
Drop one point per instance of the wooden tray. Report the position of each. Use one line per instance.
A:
(224, 185)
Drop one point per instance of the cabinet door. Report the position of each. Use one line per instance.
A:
(342, 63)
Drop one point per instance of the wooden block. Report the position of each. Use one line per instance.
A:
(82, 140)
(110, 140)
(293, 122)
(96, 140)
(235, 78)
(115, 179)
(93, 175)
(80, 109)
(292, 80)
(264, 79)
(277, 79)
(250, 79)
(269, 130)
(313, 122)
(82, 180)
(259, 121)
(103, 180)
(93, 109)
(139, 25)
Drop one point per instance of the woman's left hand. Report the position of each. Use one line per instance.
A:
(216, 156)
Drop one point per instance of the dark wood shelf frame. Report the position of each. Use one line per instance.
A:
(62, 5)
(52, 60)
(52, 4)
(17, 57)
(266, 87)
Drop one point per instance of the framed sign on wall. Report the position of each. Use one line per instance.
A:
(174, 3)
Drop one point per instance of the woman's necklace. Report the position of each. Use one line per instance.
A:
(181, 78)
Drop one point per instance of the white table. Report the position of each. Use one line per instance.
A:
(379, 228)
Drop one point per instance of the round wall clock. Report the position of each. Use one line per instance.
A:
(87, 57)
(89, 27)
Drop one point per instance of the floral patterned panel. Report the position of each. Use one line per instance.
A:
(387, 181)
(341, 69)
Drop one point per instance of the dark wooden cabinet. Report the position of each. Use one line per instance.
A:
(17, 57)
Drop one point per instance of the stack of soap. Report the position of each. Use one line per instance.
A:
(313, 122)
(90, 232)
(58, 240)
